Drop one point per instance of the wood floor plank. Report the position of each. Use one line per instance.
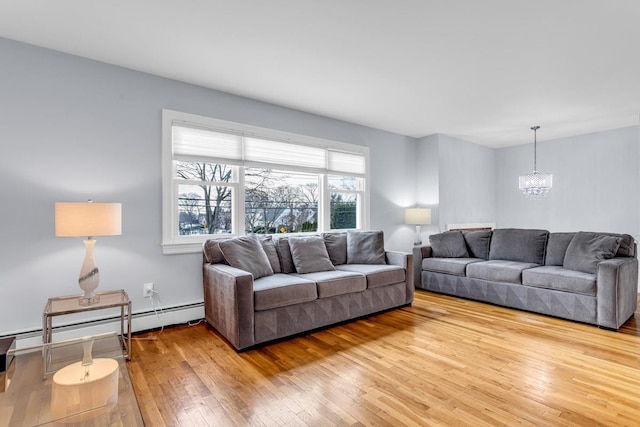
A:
(443, 361)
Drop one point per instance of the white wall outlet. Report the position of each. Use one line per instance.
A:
(147, 290)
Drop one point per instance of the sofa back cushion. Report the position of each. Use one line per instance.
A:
(272, 254)
(516, 244)
(336, 244)
(309, 254)
(587, 249)
(449, 244)
(557, 247)
(284, 253)
(246, 253)
(212, 252)
(478, 243)
(365, 247)
(627, 244)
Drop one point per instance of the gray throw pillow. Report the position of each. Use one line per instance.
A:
(246, 253)
(212, 252)
(309, 254)
(478, 243)
(449, 244)
(557, 248)
(284, 253)
(586, 250)
(336, 244)
(270, 249)
(365, 247)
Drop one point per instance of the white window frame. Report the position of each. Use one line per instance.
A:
(173, 243)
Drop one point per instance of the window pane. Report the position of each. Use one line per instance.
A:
(280, 201)
(204, 209)
(338, 182)
(343, 208)
(201, 171)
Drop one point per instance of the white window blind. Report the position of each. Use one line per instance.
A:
(201, 143)
(284, 154)
(351, 163)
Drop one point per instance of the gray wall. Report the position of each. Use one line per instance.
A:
(73, 129)
(595, 183)
(457, 180)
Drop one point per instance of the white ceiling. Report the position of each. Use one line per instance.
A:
(483, 71)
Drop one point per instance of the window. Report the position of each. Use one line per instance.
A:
(228, 179)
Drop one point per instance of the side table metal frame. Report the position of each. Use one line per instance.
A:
(125, 311)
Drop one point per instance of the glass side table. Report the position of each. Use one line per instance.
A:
(30, 399)
(61, 306)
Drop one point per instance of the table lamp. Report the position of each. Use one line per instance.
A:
(88, 219)
(417, 217)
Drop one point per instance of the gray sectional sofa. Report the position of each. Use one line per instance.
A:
(259, 289)
(583, 276)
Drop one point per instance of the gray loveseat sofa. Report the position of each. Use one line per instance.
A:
(259, 289)
(586, 277)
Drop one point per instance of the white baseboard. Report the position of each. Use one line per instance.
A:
(141, 321)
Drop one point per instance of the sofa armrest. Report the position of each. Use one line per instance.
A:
(228, 303)
(617, 291)
(419, 253)
(404, 260)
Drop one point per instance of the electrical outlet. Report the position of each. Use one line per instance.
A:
(147, 290)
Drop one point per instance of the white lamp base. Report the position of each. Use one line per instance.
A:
(89, 275)
(418, 240)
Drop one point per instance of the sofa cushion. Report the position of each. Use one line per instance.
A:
(212, 252)
(365, 247)
(272, 254)
(284, 253)
(336, 247)
(280, 290)
(627, 244)
(449, 244)
(336, 244)
(478, 243)
(516, 244)
(557, 248)
(309, 254)
(561, 279)
(456, 266)
(246, 253)
(377, 275)
(587, 249)
(331, 283)
(498, 270)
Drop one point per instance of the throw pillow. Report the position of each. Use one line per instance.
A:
(284, 253)
(449, 244)
(212, 252)
(365, 247)
(586, 250)
(478, 243)
(336, 244)
(272, 254)
(309, 254)
(557, 248)
(246, 253)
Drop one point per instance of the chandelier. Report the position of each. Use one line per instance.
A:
(536, 184)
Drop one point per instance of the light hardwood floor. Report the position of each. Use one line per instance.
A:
(443, 361)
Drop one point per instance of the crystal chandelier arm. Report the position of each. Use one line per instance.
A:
(535, 148)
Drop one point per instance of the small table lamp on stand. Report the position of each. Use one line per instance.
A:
(417, 217)
(87, 220)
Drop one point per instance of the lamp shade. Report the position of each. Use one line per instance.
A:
(88, 219)
(417, 216)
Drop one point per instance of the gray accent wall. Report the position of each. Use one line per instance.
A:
(73, 129)
(595, 183)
